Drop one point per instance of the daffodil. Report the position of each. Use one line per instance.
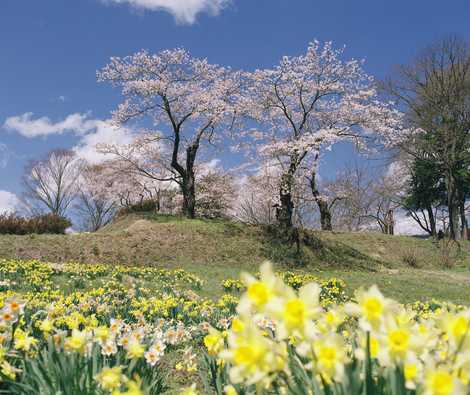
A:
(214, 342)
(412, 372)
(261, 291)
(296, 312)
(457, 328)
(230, 390)
(135, 350)
(77, 341)
(110, 378)
(23, 341)
(372, 308)
(102, 333)
(189, 390)
(237, 325)
(154, 354)
(439, 381)
(9, 370)
(253, 356)
(328, 355)
(132, 388)
(46, 326)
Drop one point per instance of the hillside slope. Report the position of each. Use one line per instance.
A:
(221, 249)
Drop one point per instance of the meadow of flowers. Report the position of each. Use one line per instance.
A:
(101, 329)
(288, 341)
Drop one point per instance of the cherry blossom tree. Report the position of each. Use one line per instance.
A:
(257, 200)
(305, 105)
(143, 161)
(215, 193)
(128, 187)
(257, 196)
(190, 101)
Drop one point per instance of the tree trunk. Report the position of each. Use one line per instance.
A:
(286, 209)
(432, 221)
(186, 173)
(189, 198)
(387, 223)
(463, 220)
(387, 226)
(454, 232)
(325, 212)
(158, 203)
(188, 186)
(452, 207)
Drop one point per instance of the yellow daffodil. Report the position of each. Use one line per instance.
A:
(110, 378)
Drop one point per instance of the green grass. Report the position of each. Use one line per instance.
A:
(216, 250)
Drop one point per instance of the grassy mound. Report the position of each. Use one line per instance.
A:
(406, 268)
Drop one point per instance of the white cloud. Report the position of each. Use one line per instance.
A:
(91, 132)
(28, 127)
(184, 11)
(103, 133)
(8, 201)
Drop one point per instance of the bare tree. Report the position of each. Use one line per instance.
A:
(96, 205)
(387, 195)
(363, 197)
(51, 184)
(351, 197)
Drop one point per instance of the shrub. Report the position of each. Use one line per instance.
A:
(410, 258)
(144, 206)
(14, 224)
(449, 252)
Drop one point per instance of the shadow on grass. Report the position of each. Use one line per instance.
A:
(312, 251)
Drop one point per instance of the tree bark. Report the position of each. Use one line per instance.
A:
(452, 207)
(432, 221)
(286, 209)
(158, 203)
(389, 223)
(463, 220)
(188, 185)
(189, 198)
(186, 173)
(325, 212)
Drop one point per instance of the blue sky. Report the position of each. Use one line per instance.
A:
(50, 51)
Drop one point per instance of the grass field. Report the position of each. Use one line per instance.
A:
(76, 321)
(406, 268)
